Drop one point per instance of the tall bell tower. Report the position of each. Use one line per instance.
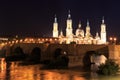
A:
(55, 28)
(103, 32)
(69, 30)
(88, 34)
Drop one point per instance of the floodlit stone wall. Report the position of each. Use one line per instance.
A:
(76, 52)
(114, 53)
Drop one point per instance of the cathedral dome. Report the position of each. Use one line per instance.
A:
(79, 32)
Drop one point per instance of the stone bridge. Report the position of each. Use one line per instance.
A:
(75, 52)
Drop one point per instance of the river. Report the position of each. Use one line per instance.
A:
(15, 71)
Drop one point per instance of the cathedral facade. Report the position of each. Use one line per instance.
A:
(80, 36)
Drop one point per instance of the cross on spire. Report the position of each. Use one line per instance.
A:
(79, 25)
(103, 21)
(69, 16)
(87, 22)
(55, 19)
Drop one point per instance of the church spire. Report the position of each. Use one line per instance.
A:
(61, 33)
(97, 35)
(55, 27)
(69, 16)
(103, 21)
(55, 20)
(79, 25)
(103, 32)
(87, 22)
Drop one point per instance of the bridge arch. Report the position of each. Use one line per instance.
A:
(57, 52)
(18, 51)
(87, 59)
(35, 54)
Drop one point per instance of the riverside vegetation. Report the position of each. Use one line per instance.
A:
(109, 68)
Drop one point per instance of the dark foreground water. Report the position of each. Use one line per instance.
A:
(14, 71)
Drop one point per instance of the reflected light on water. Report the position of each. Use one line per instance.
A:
(2, 68)
(16, 71)
(78, 78)
(2, 64)
(24, 72)
(55, 76)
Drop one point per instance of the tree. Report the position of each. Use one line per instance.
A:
(109, 68)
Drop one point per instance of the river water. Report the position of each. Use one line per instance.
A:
(15, 71)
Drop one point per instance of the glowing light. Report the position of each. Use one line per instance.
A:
(111, 38)
(55, 39)
(42, 39)
(13, 42)
(21, 40)
(46, 39)
(115, 38)
(16, 41)
(26, 40)
(50, 39)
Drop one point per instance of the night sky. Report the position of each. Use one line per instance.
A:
(35, 18)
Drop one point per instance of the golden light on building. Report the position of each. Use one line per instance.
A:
(42, 39)
(55, 39)
(46, 39)
(38, 39)
(26, 40)
(50, 39)
(13, 42)
(80, 33)
(21, 40)
(16, 41)
(31, 39)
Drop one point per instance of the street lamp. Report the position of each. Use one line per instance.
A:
(113, 40)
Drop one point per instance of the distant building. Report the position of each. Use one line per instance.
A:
(3, 39)
(80, 36)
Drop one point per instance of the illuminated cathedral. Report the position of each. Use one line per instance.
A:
(80, 36)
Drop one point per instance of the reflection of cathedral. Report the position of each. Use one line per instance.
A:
(80, 36)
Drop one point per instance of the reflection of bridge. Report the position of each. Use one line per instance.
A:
(76, 52)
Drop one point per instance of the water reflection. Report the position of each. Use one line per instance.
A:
(2, 64)
(14, 71)
(2, 68)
